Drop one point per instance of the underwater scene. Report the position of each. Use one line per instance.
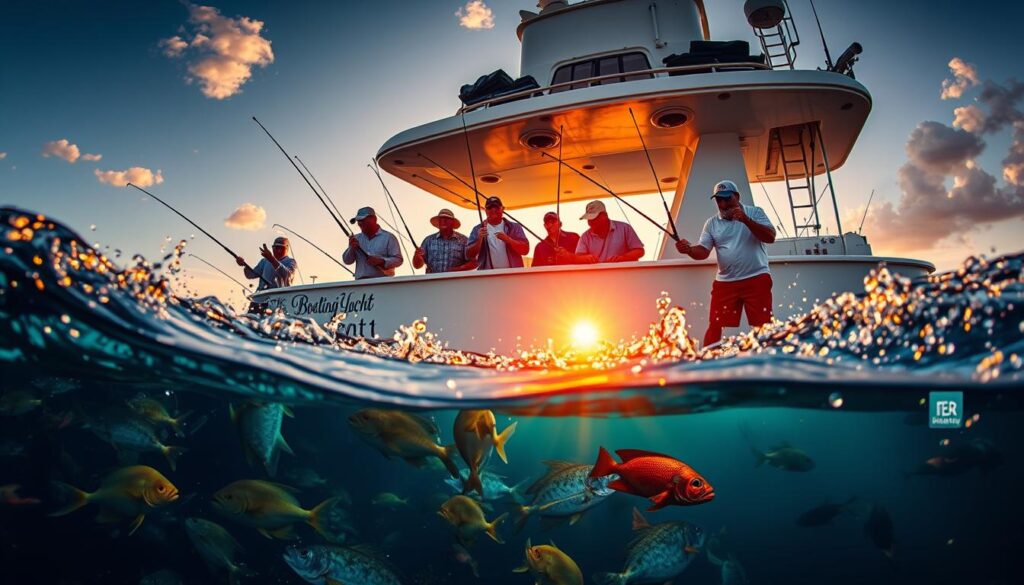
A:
(148, 435)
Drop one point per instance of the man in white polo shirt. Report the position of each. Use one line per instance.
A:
(738, 235)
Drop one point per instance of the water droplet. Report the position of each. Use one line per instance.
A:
(835, 399)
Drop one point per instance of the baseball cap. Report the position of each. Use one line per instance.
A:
(492, 201)
(550, 215)
(363, 213)
(594, 209)
(725, 189)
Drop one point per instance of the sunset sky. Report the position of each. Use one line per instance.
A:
(161, 93)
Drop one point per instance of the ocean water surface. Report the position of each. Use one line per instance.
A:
(125, 398)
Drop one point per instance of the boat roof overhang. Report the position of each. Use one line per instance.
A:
(704, 27)
(598, 134)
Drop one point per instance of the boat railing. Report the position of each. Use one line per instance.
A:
(590, 81)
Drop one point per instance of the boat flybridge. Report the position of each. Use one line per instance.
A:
(706, 110)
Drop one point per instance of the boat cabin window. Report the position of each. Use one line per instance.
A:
(608, 65)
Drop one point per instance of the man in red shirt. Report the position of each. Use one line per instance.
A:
(545, 253)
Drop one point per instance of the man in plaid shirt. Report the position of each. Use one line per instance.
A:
(444, 251)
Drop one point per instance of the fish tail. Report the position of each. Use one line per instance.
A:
(499, 442)
(473, 483)
(516, 491)
(172, 454)
(76, 498)
(759, 457)
(610, 578)
(178, 423)
(492, 528)
(317, 513)
(446, 455)
(605, 464)
(522, 515)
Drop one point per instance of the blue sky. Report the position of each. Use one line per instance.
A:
(347, 76)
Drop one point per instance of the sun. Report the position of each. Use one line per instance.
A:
(584, 335)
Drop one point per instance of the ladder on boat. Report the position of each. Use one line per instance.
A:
(779, 43)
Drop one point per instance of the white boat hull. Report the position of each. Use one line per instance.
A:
(505, 310)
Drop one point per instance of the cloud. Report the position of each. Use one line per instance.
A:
(965, 76)
(475, 15)
(247, 217)
(946, 194)
(67, 151)
(222, 51)
(140, 176)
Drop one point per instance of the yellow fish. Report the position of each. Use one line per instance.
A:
(476, 433)
(550, 566)
(128, 492)
(269, 507)
(154, 412)
(404, 435)
(468, 519)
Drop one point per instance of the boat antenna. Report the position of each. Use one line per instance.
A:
(470, 201)
(304, 178)
(828, 57)
(671, 222)
(866, 208)
(297, 235)
(373, 168)
(615, 195)
(226, 275)
(558, 189)
(205, 233)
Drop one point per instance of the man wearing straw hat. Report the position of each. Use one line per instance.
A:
(444, 251)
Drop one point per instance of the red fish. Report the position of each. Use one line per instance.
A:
(666, 481)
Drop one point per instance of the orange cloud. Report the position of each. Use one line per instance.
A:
(475, 15)
(67, 151)
(247, 217)
(223, 51)
(140, 176)
(965, 76)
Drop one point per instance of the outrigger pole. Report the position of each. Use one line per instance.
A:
(657, 182)
(613, 194)
(205, 233)
(232, 278)
(468, 200)
(297, 235)
(476, 192)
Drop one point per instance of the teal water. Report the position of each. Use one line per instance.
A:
(75, 352)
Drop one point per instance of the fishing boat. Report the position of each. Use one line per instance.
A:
(631, 97)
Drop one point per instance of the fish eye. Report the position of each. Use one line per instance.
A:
(696, 482)
(160, 488)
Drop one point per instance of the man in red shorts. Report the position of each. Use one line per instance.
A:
(738, 235)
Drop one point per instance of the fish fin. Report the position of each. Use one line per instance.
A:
(522, 515)
(575, 518)
(316, 515)
(492, 528)
(660, 500)
(287, 411)
(516, 491)
(446, 457)
(172, 454)
(283, 445)
(639, 522)
(609, 578)
(178, 422)
(499, 442)
(136, 523)
(605, 464)
(425, 423)
(284, 533)
(265, 533)
(76, 498)
(630, 454)
(270, 465)
(473, 483)
(620, 485)
(759, 457)
(521, 569)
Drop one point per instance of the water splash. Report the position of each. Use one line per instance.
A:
(68, 310)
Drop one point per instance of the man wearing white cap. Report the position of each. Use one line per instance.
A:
(607, 240)
(444, 251)
(374, 251)
(738, 235)
(276, 267)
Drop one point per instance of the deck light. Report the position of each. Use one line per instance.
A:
(539, 139)
(670, 117)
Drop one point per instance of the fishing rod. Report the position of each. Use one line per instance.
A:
(245, 287)
(558, 188)
(337, 218)
(206, 233)
(304, 178)
(866, 208)
(322, 251)
(322, 190)
(671, 222)
(613, 194)
(476, 192)
(468, 200)
(394, 203)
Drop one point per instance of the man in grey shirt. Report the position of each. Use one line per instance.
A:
(276, 268)
(374, 251)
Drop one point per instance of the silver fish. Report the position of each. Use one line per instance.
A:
(321, 565)
(259, 428)
(494, 486)
(130, 433)
(657, 554)
(565, 493)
